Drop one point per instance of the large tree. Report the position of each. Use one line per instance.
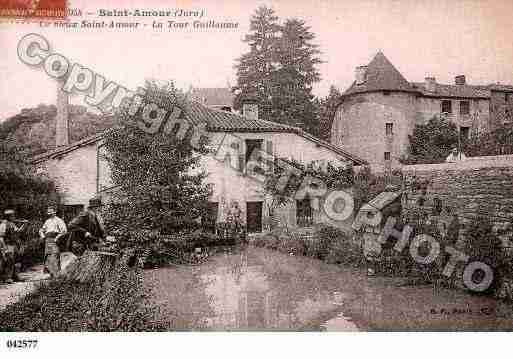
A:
(159, 183)
(280, 70)
(255, 68)
(293, 99)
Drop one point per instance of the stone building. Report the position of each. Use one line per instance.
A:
(380, 109)
(81, 172)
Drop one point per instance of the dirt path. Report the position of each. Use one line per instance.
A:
(11, 293)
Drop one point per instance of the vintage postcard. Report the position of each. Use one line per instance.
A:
(304, 166)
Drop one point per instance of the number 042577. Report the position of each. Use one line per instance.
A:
(22, 343)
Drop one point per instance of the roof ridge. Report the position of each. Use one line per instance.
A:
(380, 75)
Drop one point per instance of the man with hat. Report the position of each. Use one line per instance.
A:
(53, 229)
(87, 228)
(9, 246)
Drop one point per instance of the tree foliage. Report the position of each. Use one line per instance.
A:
(20, 188)
(432, 142)
(34, 128)
(279, 70)
(159, 183)
(497, 142)
(327, 107)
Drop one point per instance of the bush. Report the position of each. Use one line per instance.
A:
(160, 250)
(119, 304)
(485, 246)
(338, 246)
(328, 243)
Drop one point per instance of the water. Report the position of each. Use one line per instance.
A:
(260, 289)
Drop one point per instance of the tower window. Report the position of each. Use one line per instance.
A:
(446, 106)
(464, 107)
(387, 156)
(389, 129)
(465, 132)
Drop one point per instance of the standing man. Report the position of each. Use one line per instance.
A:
(53, 229)
(9, 246)
(87, 228)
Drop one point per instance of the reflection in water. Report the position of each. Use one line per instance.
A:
(258, 289)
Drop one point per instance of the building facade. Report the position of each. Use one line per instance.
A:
(380, 109)
(81, 172)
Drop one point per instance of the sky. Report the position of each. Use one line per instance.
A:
(441, 38)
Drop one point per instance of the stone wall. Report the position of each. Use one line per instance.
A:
(479, 186)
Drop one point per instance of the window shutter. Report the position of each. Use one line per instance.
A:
(270, 157)
(242, 158)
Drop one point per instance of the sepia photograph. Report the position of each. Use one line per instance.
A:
(254, 166)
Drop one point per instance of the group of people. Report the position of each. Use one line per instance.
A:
(84, 232)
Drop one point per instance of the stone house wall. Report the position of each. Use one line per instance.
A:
(501, 108)
(360, 122)
(478, 118)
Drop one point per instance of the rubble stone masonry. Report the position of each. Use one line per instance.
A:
(479, 186)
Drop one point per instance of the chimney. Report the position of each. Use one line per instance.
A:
(360, 74)
(250, 108)
(430, 83)
(460, 80)
(62, 119)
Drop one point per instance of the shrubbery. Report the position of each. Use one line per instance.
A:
(327, 243)
(485, 246)
(162, 250)
(119, 304)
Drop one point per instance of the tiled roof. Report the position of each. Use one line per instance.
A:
(380, 75)
(500, 87)
(461, 91)
(223, 121)
(218, 121)
(215, 96)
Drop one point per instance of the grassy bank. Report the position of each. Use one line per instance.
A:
(119, 304)
(326, 243)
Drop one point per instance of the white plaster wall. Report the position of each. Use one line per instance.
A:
(74, 174)
(78, 173)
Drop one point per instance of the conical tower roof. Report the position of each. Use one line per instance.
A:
(381, 75)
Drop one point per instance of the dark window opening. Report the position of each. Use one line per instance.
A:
(465, 132)
(389, 129)
(254, 217)
(254, 150)
(387, 156)
(446, 106)
(252, 145)
(506, 97)
(209, 219)
(386, 93)
(464, 107)
(304, 213)
(226, 108)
